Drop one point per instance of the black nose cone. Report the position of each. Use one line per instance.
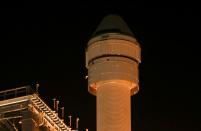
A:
(113, 24)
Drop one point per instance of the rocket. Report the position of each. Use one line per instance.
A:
(112, 58)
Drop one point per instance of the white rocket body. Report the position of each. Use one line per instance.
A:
(112, 59)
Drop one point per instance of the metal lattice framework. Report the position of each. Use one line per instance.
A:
(13, 101)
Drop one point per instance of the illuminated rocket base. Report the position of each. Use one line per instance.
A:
(113, 106)
(112, 59)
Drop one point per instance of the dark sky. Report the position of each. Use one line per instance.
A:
(45, 42)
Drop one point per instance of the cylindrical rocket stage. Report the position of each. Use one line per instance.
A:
(113, 106)
(112, 59)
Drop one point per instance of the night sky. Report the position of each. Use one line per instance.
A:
(45, 42)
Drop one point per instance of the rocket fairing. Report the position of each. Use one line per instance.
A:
(112, 58)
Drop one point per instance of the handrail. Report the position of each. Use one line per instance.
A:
(12, 93)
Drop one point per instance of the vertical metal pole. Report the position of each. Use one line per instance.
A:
(62, 113)
(54, 100)
(70, 120)
(37, 86)
(57, 106)
(77, 120)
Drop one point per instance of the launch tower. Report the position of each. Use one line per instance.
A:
(112, 59)
(21, 109)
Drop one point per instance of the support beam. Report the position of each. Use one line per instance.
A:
(28, 122)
